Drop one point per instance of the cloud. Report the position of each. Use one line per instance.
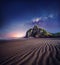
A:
(42, 18)
(51, 15)
(36, 19)
(45, 17)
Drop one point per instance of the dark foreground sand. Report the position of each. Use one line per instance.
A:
(44, 51)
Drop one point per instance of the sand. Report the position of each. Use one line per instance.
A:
(30, 51)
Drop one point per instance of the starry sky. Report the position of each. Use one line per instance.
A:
(17, 16)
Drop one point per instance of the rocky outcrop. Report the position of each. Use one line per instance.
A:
(37, 32)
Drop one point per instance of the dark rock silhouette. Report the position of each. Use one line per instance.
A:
(37, 32)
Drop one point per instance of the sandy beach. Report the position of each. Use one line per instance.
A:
(30, 51)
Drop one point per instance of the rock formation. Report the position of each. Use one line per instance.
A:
(37, 32)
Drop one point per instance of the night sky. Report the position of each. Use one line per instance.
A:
(18, 16)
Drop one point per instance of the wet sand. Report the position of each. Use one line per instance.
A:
(43, 51)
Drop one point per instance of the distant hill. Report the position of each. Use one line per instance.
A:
(56, 34)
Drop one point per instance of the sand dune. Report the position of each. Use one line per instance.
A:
(44, 51)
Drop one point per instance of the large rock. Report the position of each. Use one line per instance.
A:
(29, 33)
(37, 32)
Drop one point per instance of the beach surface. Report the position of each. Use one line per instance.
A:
(30, 51)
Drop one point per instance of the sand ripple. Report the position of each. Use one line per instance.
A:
(31, 52)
